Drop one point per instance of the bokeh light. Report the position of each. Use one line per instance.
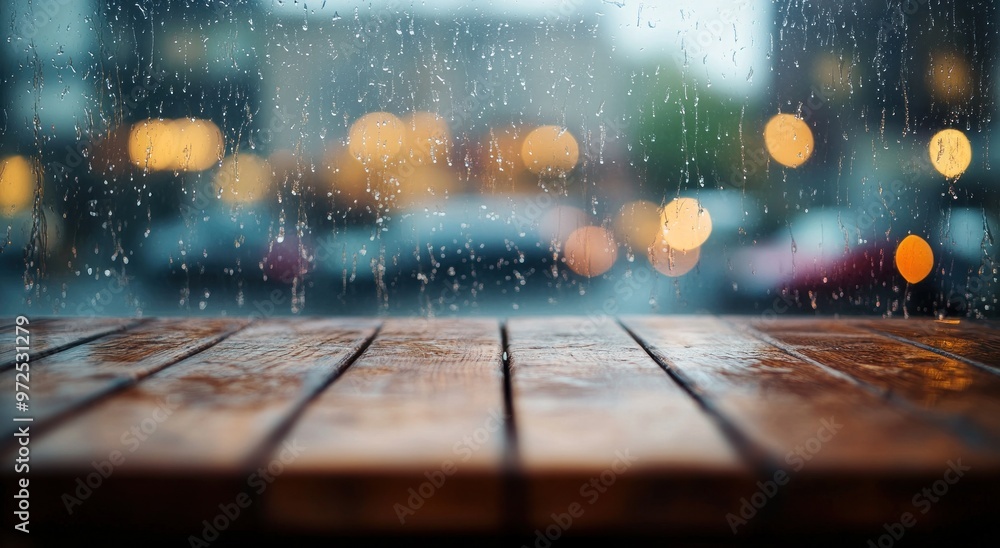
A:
(686, 225)
(428, 138)
(556, 224)
(348, 179)
(424, 185)
(181, 145)
(243, 178)
(950, 152)
(376, 138)
(199, 144)
(550, 150)
(914, 258)
(950, 77)
(153, 145)
(672, 262)
(590, 251)
(638, 224)
(17, 184)
(500, 160)
(789, 140)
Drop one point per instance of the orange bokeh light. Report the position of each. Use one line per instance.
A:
(914, 258)
(550, 150)
(789, 140)
(590, 251)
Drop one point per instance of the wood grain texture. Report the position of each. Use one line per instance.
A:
(933, 381)
(784, 405)
(213, 410)
(194, 427)
(973, 342)
(586, 395)
(426, 396)
(68, 380)
(49, 337)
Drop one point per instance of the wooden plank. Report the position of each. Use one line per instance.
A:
(49, 337)
(423, 404)
(588, 400)
(900, 370)
(972, 342)
(195, 426)
(68, 380)
(874, 457)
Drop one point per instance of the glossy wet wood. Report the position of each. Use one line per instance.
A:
(216, 409)
(425, 399)
(68, 380)
(49, 337)
(357, 416)
(587, 397)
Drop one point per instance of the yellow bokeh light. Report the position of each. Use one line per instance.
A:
(182, 145)
(950, 77)
(153, 145)
(590, 251)
(376, 138)
(638, 224)
(672, 262)
(243, 178)
(789, 140)
(348, 179)
(17, 184)
(550, 150)
(428, 138)
(914, 258)
(950, 152)
(686, 225)
(424, 185)
(500, 160)
(199, 144)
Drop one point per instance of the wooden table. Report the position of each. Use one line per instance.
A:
(694, 427)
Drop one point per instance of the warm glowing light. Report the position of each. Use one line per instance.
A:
(428, 139)
(550, 150)
(914, 258)
(348, 179)
(424, 185)
(558, 223)
(154, 145)
(951, 152)
(243, 178)
(686, 225)
(199, 144)
(590, 251)
(500, 160)
(376, 138)
(950, 77)
(672, 262)
(638, 224)
(17, 184)
(789, 140)
(182, 145)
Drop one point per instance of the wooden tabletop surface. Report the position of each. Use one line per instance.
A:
(727, 427)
